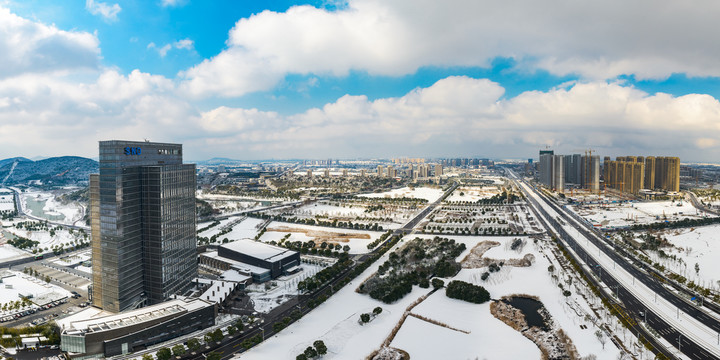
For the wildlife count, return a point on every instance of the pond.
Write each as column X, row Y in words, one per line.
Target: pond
column 530, row 308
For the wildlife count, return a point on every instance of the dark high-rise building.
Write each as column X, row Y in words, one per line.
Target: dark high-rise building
column 143, row 224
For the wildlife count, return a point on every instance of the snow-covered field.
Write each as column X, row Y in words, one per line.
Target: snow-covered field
column 473, row 193
column 45, row 205
column 699, row 245
column 336, row 321
column 427, row 193
column 61, row 237
column 7, row 200
column 319, row 234
column 489, row 338
column 8, row 252
column 245, row 229
column 630, row 213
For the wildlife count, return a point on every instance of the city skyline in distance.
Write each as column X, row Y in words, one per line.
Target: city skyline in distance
column 262, row 82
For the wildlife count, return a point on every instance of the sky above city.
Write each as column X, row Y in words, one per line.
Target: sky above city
column 363, row 78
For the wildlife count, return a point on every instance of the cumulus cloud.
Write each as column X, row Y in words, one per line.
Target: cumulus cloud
column 27, row 46
column 107, row 11
column 456, row 116
column 461, row 115
column 650, row 39
column 185, row 44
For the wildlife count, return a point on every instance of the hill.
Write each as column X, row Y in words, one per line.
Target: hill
column 63, row 170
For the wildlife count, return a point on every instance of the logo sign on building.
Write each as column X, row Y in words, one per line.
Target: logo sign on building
column 132, row 150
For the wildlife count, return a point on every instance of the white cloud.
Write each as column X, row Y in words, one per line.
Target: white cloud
column 460, row 115
column 184, row 44
column 650, row 39
column 456, row 116
column 172, row 3
column 27, row 46
column 107, row 11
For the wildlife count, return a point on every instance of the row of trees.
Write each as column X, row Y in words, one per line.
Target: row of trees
column 325, row 275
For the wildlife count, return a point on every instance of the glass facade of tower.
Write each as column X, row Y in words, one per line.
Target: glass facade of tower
column 144, row 246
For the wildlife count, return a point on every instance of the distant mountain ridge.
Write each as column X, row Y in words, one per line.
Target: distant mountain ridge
column 62, row 170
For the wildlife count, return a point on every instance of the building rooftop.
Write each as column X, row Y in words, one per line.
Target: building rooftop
column 258, row 250
column 95, row 320
column 237, row 265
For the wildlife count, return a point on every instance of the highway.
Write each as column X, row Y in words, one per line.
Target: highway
column 632, row 305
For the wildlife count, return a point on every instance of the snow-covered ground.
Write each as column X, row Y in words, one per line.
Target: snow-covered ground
column 7, row 200
column 245, row 229
column 427, row 193
column 8, row 252
column 336, row 321
column 699, row 245
column 283, row 288
column 61, row 237
column 630, row 213
column 358, row 245
column 44, row 204
column 488, row 338
column 473, row 193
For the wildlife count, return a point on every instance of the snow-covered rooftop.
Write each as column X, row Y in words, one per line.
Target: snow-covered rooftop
column 258, row 250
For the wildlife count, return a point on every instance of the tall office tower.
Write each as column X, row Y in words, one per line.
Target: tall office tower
column 558, row 173
column 649, row 182
column 143, row 224
column 438, row 169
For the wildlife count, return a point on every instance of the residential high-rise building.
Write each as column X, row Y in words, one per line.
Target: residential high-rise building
column 667, row 173
column 590, row 173
column 142, row 206
column 649, row 182
column 380, row 171
column 438, row 169
column 558, row 173
column 545, row 167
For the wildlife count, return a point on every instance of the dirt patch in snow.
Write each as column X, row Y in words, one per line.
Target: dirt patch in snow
column 320, row 235
column 475, row 259
column 553, row 344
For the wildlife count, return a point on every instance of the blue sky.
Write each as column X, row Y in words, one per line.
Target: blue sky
column 262, row 79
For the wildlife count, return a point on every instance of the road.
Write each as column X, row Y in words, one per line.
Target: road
column 233, row 345
column 631, row 305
